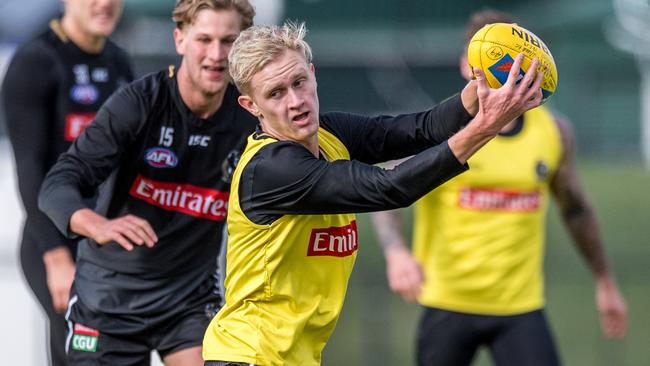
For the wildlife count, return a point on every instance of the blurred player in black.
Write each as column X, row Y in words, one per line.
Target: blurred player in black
column 53, row 87
column 162, row 149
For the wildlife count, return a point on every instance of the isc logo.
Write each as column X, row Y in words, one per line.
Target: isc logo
column 159, row 157
column 199, row 140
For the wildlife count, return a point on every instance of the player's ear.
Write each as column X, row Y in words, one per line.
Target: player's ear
column 179, row 37
column 312, row 68
column 465, row 69
column 248, row 104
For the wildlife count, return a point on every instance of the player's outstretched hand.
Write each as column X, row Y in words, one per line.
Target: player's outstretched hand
column 404, row 273
column 499, row 107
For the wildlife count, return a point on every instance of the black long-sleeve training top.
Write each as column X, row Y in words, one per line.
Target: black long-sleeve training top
column 157, row 160
column 52, row 90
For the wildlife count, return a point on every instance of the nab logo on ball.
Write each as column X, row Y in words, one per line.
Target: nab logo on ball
column 501, row 69
column 159, row 157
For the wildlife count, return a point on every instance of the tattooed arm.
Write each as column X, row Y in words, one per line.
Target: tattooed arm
column 580, row 220
column 404, row 273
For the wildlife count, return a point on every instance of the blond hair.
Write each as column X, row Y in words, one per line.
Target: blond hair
column 260, row 45
column 185, row 11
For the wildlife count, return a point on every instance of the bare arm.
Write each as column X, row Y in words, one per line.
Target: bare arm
column 404, row 274
column 580, row 220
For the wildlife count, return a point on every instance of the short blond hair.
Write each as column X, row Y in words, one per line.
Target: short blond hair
column 185, row 11
column 260, row 45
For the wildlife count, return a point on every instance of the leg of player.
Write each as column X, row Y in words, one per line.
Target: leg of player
column 185, row 357
column 446, row 338
column 527, row 340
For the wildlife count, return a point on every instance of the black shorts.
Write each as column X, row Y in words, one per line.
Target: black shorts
column 165, row 332
column 452, row 338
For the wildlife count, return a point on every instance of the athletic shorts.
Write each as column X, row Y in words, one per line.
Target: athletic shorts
column 452, row 338
column 165, row 332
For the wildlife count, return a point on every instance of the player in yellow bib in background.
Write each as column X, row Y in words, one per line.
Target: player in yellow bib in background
column 292, row 230
column 478, row 244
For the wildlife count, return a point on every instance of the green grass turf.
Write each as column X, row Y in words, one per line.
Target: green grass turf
column 377, row 328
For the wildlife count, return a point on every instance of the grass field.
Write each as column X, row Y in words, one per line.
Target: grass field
column 377, row 328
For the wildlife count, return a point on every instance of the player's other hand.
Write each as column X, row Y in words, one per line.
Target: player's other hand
column 128, row 231
column 612, row 309
column 59, row 269
column 404, row 274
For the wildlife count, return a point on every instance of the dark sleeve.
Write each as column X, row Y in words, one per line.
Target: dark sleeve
column 285, row 178
column 378, row 139
column 29, row 93
column 92, row 157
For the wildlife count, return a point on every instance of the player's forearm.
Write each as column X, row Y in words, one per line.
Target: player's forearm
column 584, row 229
column 85, row 222
column 383, row 138
column 469, row 140
column 57, row 255
column 388, row 229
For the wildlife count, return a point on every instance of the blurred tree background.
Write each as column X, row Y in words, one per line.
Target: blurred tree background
column 389, row 56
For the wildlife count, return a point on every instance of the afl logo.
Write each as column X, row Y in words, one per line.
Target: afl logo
column 84, row 94
column 159, row 157
column 494, row 53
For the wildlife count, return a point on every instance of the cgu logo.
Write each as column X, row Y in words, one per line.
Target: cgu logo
column 84, row 339
column 84, row 343
column 334, row 241
column 159, row 157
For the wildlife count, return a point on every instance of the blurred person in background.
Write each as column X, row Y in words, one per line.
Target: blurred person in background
column 292, row 229
column 478, row 244
column 53, row 87
column 161, row 151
